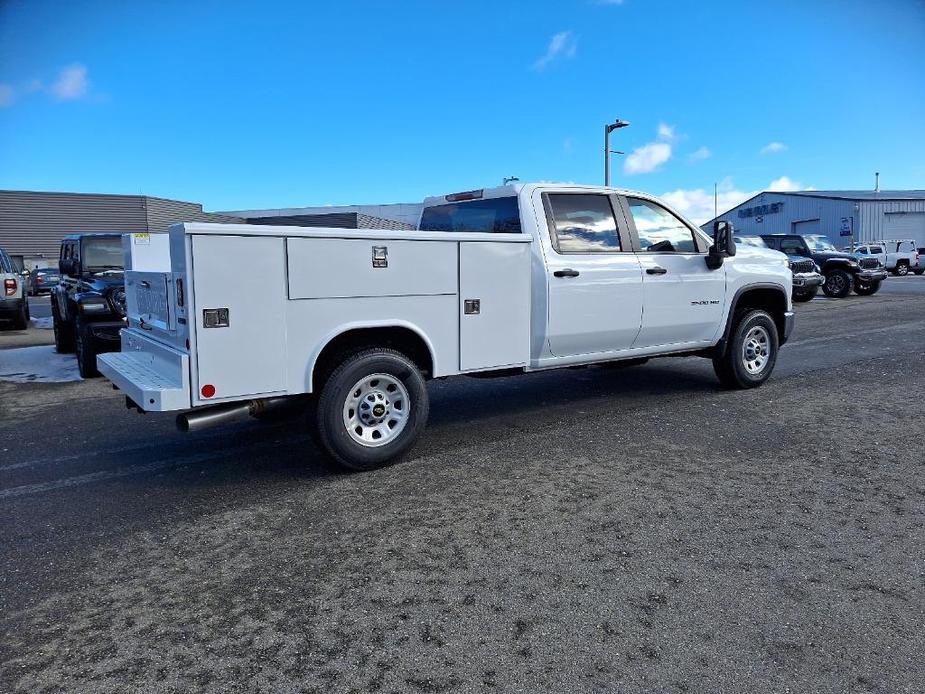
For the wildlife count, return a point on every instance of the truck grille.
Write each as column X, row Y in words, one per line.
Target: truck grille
column 802, row 266
column 869, row 263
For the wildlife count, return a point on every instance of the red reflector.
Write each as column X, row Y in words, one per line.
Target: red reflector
column 208, row 390
column 9, row 287
column 465, row 195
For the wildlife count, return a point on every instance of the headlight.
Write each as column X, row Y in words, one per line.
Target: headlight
column 94, row 307
column 816, row 268
column 789, row 263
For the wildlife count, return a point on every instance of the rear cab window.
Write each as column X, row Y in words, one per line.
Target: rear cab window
column 492, row 215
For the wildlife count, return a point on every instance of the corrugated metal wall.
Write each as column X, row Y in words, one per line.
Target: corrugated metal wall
column 32, row 224
column 873, row 215
column 162, row 213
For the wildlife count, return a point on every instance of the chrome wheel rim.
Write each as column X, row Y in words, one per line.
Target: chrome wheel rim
column 756, row 349
column 376, row 410
column 902, row 270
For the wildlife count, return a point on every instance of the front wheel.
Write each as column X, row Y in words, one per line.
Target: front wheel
column 372, row 409
column 64, row 334
column 85, row 349
column 867, row 288
column 751, row 352
column 806, row 294
column 837, row 284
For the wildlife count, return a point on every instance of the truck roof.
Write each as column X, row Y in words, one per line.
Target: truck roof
column 517, row 188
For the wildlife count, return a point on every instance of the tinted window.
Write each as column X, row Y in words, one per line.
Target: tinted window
column 493, row 215
column 791, row 247
column 101, row 252
column 876, row 249
column 583, row 223
column 659, row 230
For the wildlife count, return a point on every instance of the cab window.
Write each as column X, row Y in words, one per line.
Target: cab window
column 660, row 231
column 792, row 247
column 582, row 223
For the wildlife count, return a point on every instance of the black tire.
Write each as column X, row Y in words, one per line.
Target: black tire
column 838, row 284
column 917, row 272
column 64, row 333
column 85, row 349
column 902, row 268
column 21, row 319
column 333, row 404
column 806, row 294
column 731, row 368
column 867, row 288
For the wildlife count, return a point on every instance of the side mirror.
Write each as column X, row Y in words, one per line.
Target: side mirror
column 724, row 244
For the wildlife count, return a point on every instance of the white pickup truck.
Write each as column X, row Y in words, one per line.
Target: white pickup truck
column 505, row 280
column 899, row 256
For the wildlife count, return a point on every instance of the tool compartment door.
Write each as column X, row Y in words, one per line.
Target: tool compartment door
column 495, row 332
column 239, row 287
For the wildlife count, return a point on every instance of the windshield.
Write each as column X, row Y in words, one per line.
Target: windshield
column 750, row 241
column 820, row 243
column 493, row 215
column 103, row 253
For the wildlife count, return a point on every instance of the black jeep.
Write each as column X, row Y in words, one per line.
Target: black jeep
column 842, row 271
column 88, row 305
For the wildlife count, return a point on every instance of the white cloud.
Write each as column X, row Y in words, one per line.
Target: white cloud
column 666, row 132
column 647, row 158
column 784, row 184
column 71, row 83
column 698, row 203
column 562, row 45
column 6, row 95
column 700, row 154
column 773, row 148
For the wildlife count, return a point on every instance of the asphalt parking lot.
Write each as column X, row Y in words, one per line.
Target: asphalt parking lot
column 575, row 531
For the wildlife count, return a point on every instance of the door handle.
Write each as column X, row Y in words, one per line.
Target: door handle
column 567, row 272
column 656, row 270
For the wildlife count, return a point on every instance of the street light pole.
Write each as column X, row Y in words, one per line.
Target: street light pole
column 609, row 128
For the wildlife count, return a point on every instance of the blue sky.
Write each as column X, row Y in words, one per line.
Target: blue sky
column 248, row 105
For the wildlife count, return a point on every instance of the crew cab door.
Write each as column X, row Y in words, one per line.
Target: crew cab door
column 594, row 281
column 683, row 300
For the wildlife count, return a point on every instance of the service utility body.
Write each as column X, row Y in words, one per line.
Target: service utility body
column 350, row 323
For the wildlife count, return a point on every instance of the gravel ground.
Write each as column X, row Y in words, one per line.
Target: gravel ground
column 579, row 531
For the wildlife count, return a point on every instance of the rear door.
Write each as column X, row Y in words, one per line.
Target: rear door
column 683, row 299
column 594, row 279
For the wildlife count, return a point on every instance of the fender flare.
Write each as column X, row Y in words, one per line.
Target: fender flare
column 721, row 346
column 364, row 325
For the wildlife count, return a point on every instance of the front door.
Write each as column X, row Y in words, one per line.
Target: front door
column 594, row 279
column 684, row 299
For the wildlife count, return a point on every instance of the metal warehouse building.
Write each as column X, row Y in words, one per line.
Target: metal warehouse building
column 845, row 216
column 32, row 224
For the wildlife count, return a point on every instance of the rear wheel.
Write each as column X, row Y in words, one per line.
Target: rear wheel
column 806, row 294
column 837, row 284
column 372, row 409
column 85, row 349
column 21, row 319
column 902, row 268
column 917, row 272
column 64, row 333
column 867, row 288
column 751, row 352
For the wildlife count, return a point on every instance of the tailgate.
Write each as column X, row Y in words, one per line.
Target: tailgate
column 155, row 376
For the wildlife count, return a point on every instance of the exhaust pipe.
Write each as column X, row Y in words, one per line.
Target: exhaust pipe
column 208, row 416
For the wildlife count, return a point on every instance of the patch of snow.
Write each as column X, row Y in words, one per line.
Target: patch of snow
column 43, row 323
column 39, row 364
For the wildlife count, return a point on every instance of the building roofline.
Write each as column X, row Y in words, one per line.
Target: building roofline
column 108, row 195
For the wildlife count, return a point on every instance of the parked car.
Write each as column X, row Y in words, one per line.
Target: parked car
column 43, row 280
column 500, row 281
column 842, row 271
column 898, row 256
column 14, row 303
column 920, row 266
column 88, row 304
column 806, row 276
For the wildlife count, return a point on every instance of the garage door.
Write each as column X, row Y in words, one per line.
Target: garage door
column 905, row 225
column 808, row 226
